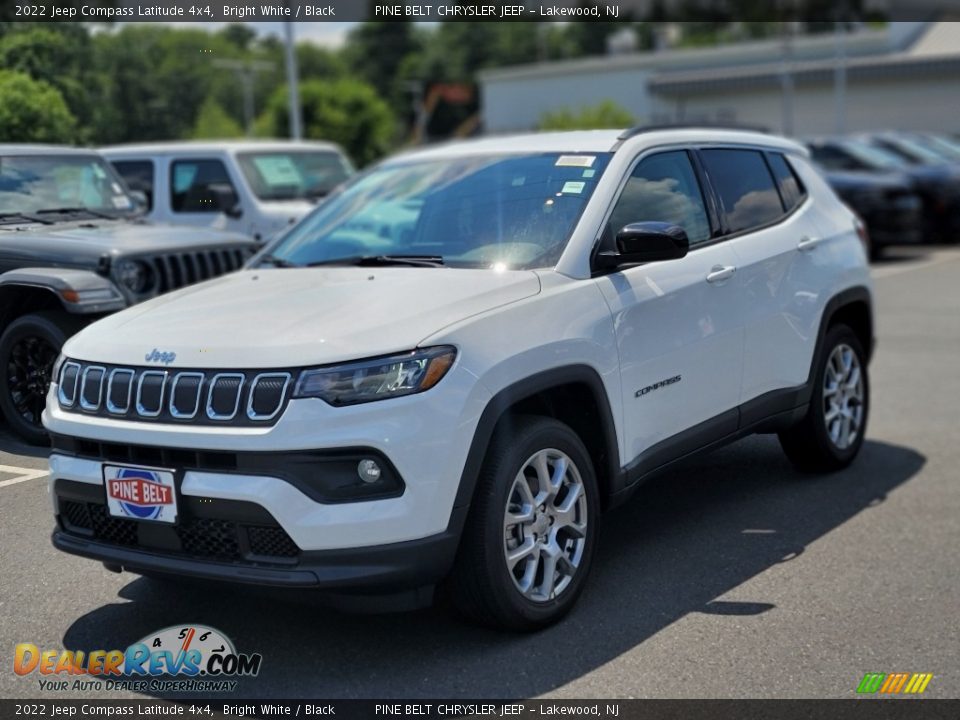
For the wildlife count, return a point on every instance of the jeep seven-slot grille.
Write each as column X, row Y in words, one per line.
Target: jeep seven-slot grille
column 208, row 397
column 177, row 270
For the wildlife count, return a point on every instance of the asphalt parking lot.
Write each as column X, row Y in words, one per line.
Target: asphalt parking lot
column 733, row 576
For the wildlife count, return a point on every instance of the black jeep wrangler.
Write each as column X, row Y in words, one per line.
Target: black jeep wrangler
column 73, row 248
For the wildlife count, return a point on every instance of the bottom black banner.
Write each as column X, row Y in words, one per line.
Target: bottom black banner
column 861, row 709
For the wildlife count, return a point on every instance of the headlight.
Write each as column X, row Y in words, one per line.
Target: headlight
column 377, row 379
column 133, row 275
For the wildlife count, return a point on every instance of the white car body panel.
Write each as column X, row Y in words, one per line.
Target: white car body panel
column 729, row 342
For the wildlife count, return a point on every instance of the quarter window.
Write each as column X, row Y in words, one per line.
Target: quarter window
column 791, row 190
column 745, row 187
column 663, row 188
column 199, row 185
column 138, row 174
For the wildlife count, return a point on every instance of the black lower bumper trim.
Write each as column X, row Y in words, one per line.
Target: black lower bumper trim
column 397, row 566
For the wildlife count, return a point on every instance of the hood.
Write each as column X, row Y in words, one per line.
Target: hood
column 86, row 242
column 277, row 318
column 853, row 180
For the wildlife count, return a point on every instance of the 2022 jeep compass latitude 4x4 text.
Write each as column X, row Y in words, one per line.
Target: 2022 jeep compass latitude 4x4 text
column 446, row 372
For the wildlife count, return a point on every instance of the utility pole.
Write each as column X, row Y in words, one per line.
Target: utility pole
column 840, row 78
column 246, row 71
column 786, row 80
column 296, row 127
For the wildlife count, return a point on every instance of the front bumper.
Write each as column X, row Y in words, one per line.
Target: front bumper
column 241, row 542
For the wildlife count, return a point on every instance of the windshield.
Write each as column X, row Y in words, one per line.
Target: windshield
column 942, row 145
column 480, row 211
column 293, row 174
column 913, row 150
column 874, row 156
column 34, row 183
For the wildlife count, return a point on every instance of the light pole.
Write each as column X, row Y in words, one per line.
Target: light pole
column 246, row 71
column 296, row 128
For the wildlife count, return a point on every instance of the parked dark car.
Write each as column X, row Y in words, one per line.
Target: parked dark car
column 887, row 204
column 72, row 249
column 938, row 185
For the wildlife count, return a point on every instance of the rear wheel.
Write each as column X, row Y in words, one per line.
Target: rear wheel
column 28, row 349
column 831, row 434
column 530, row 537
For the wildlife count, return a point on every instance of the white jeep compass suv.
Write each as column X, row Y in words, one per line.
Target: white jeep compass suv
column 445, row 374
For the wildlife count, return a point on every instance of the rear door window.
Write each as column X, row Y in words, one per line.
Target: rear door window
column 743, row 182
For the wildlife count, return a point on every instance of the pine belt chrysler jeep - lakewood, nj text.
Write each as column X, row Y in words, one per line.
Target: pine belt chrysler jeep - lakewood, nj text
column 443, row 375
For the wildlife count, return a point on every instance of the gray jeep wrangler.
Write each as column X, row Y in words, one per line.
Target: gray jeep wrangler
column 73, row 248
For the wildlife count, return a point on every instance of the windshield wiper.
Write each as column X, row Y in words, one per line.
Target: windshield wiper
column 383, row 260
column 76, row 211
column 278, row 262
column 13, row 218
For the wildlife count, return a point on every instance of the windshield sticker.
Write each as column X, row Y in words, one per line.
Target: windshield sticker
column 121, row 202
column 583, row 161
column 518, row 181
column 278, row 170
column 574, row 188
column 116, row 188
column 99, row 172
column 589, row 173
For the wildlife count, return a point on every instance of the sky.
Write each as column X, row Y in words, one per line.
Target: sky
column 327, row 34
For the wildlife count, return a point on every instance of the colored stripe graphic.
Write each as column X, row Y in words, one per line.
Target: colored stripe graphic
column 918, row 683
column 871, row 682
column 894, row 682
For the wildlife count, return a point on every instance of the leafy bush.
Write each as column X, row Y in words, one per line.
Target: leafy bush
column 604, row 115
column 33, row 111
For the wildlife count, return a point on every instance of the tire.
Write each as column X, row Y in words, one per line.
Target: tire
column 28, row 348
column 563, row 528
column 815, row 444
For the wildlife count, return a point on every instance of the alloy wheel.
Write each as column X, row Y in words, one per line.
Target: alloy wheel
column 545, row 525
column 28, row 376
column 843, row 396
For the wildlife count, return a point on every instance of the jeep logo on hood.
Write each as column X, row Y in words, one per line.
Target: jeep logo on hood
column 160, row 356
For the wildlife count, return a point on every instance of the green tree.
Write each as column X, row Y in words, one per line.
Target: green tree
column 604, row 115
column 214, row 123
column 33, row 111
column 59, row 54
column 345, row 111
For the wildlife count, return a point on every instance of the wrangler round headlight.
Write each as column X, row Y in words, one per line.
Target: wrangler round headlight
column 133, row 275
column 377, row 379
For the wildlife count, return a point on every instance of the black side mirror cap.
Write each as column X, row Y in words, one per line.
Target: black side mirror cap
column 226, row 200
column 645, row 242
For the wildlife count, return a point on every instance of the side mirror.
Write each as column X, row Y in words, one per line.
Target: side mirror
column 140, row 200
column 645, row 242
column 226, row 200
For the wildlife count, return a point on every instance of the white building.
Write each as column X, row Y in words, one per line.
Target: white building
column 906, row 76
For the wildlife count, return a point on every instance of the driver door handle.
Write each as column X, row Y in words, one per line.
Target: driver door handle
column 808, row 243
column 719, row 273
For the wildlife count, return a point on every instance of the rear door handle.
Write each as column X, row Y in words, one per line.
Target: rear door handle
column 719, row 273
column 808, row 243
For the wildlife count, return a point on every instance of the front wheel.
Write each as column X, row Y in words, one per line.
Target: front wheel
column 831, row 434
column 28, row 349
column 532, row 530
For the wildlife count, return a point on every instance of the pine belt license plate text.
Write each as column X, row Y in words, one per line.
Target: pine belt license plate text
column 140, row 493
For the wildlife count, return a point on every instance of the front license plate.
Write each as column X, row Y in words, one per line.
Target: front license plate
column 140, row 493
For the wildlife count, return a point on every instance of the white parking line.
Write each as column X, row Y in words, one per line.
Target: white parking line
column 23, row 474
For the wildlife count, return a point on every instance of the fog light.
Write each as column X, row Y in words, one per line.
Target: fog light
column 368, row 470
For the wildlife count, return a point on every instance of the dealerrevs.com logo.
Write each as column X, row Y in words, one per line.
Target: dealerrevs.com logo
column 180, row 658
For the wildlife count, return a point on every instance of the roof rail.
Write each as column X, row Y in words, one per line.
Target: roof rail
column 639, row 129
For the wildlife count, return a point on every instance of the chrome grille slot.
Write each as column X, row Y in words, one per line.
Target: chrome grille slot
column 185, row 395
column 91, row 387
column 223, row 398
column 119, row 390
column 69, row 378
column 266, row 396
column 150, row 393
